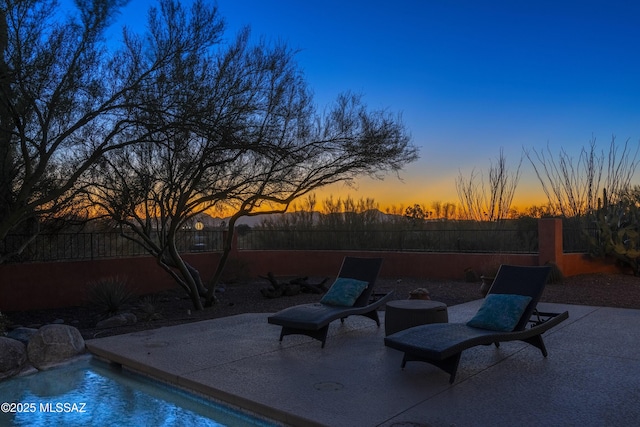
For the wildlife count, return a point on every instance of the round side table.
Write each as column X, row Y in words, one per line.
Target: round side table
column 404, row 314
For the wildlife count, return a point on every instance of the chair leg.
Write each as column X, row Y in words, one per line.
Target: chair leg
column 373, row 314
column 449, row 365
column 320, row 334
column 537, row 342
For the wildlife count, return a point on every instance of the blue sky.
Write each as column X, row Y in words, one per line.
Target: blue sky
column 469, row 77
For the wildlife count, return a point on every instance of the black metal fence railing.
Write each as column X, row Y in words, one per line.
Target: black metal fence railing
column 96, row 245
column 578, row 239
column 440, row 240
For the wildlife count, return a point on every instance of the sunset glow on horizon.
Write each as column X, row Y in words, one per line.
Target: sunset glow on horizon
column 395, row 194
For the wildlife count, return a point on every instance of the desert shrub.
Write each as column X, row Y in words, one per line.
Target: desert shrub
column 617, row 231
column 149, row 309
column 109, row 295
column 556, row 275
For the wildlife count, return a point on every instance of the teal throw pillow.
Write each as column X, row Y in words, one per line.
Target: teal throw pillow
column 500, row 312
column 344, row 292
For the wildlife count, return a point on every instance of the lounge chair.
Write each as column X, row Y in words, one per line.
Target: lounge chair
column 313, row 319
column 442, row 344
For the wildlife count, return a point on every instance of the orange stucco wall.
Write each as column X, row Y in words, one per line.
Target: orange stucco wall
column 58, row 284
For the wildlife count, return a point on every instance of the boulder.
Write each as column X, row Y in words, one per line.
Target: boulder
column 118, row 320
column 22, row 334
column 53, row 344
column 13, row 357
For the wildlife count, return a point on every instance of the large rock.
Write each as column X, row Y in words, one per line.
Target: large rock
column 22, row 334
column 13, row 357
column 53, row 344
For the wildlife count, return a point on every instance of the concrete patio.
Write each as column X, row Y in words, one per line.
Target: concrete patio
column 590, row 377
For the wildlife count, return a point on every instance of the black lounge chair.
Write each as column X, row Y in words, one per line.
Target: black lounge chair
column 313, row 319
column 442, row 344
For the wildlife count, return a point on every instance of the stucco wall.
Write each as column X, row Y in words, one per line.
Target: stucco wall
column 50, row 285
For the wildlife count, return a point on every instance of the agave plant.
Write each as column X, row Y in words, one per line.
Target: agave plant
column 109, row 295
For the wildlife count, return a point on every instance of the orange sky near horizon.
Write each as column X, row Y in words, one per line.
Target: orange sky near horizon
column 414, row 188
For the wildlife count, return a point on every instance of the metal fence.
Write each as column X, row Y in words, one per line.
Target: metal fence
column 96, row 245
column 442, row 239
column 439, row 240
column 578, row 239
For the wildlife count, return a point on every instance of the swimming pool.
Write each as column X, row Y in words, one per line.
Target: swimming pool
column 92, row 393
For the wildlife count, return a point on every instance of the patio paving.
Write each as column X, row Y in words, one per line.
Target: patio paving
column 590, row 377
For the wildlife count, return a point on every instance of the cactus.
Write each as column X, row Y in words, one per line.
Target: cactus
column 617, row 230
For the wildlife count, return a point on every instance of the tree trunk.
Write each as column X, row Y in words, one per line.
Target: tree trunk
column 210, row 299
column 190, row 275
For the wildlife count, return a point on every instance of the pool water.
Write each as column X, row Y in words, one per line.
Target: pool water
column 92, row 393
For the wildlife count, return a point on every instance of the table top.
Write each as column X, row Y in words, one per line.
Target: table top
column 415, row 304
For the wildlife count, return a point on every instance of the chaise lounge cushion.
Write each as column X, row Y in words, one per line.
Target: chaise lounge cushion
column 500, row 312
column 344, row 292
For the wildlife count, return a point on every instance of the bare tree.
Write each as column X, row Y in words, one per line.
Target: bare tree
column 67, row 100
column 233, row 129
column 348, row 213
column 448, row 210
column 199, row 124
column 573, row 187
column 303, row 216
column 490, row 200
column 443, row 210
column 347, row 142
